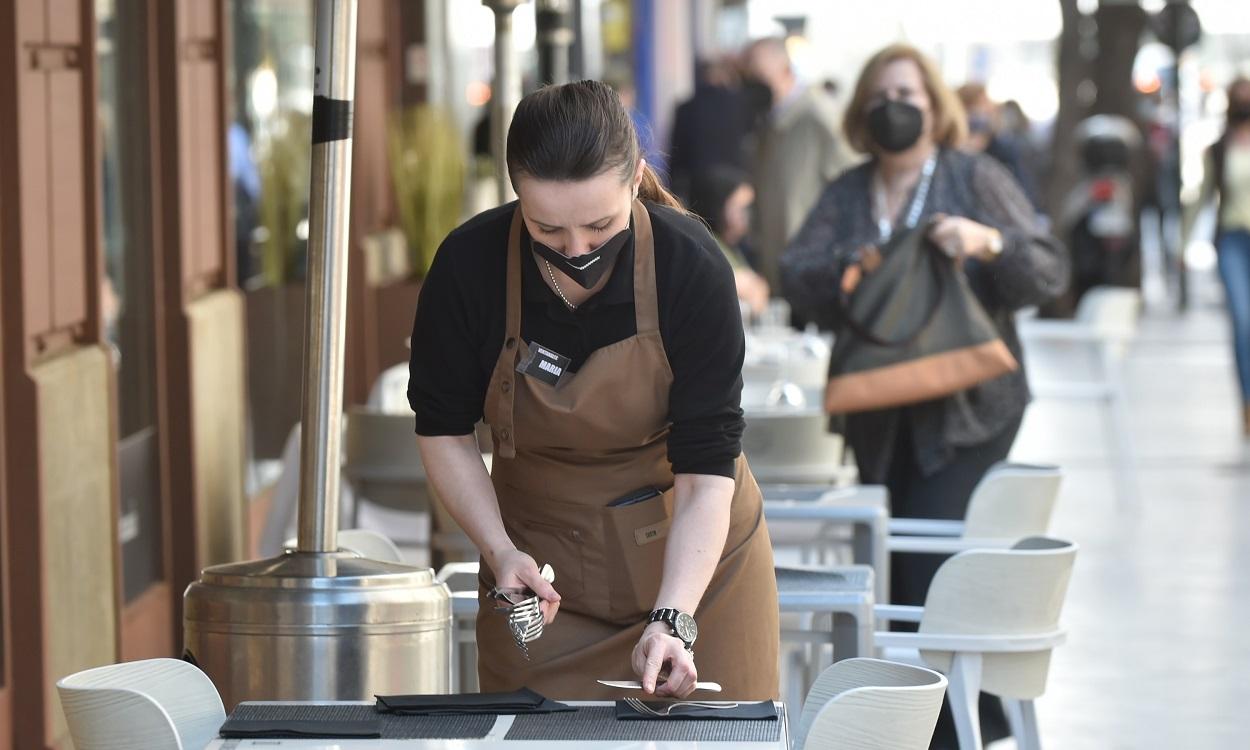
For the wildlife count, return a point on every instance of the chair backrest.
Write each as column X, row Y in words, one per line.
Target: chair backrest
column 367, row 543
column 390, row 391
column 869, row 703
column 381, row 459
column 380, row 440
column 157, row 704
column 1012, row 501
column 1002, row 592
column 370, row 544
column 792, row 445
column 1110, row 310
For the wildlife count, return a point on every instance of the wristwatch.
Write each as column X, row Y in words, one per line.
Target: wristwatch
column 682, row 624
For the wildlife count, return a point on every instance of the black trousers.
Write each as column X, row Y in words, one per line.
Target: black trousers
column 943, row 495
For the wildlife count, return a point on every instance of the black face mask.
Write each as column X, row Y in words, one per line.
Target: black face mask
column 895, row 126
column 586, row 269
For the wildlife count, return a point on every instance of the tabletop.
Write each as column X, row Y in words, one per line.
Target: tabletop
column 593, row 726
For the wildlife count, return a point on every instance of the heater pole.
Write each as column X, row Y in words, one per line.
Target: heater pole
column 328, row 213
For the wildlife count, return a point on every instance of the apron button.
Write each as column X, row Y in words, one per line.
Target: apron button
column 505, row 386
column 510, row 343
column 505, row 434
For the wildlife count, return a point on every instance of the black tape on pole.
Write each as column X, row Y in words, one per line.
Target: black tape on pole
column 331, row 119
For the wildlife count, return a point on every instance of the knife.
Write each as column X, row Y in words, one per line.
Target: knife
column 713, row 687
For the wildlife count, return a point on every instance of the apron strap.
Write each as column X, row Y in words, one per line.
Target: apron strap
column 503, row 392
column 646, row 306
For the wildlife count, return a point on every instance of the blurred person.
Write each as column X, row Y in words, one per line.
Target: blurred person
column 722, row 196
column 987, row 135
column 709, row 128
column 930, row 455
column 1226, row 182
column 797, row 152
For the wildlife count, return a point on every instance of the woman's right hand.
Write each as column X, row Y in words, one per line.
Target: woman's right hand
column 516, row 570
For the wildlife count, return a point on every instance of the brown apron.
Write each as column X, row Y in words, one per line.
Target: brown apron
column 562, row 454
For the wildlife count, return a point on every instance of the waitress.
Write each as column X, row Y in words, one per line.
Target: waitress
column 595, row 326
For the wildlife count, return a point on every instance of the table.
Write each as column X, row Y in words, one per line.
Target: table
column 798, row 516
column 593, row 714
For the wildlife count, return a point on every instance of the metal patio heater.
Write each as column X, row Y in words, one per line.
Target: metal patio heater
column 318, row 623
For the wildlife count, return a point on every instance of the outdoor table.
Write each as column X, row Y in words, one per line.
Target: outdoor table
column 592, row 726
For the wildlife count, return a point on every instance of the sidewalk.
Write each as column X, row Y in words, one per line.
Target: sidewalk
column 1159, row 603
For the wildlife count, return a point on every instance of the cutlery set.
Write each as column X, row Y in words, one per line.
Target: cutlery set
column 525, row 617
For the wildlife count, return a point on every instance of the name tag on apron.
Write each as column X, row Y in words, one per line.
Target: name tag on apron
column 544, row 364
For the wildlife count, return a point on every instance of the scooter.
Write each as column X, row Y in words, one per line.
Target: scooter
column 1099, row 219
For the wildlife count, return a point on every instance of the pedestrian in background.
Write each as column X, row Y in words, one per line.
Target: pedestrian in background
column 1227, row 182
column 798, row 150
column 929, row 455
column 709, row 128
column 987, row 135
column 722, row 196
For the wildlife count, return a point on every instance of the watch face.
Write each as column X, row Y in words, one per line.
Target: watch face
column 686, row 628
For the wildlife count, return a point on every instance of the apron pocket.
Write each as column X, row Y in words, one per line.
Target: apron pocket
column 561, row 547
column 636, row 536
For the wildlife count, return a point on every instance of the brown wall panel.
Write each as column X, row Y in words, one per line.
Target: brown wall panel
column 203, row 431
column 6, row 673
column 64, row 21
column 372, row 195
column 63, row 606
column 35, row 192
column 67, row 217
column 184, row 102
column 209, row 154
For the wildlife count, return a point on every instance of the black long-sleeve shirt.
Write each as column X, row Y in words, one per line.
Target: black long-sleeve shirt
column 1033, row 268
column 459, row 330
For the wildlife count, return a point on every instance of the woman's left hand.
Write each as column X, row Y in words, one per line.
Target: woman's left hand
column 961, row 238
column 658, row 647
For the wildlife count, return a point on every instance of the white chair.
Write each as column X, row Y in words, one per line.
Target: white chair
column 383, row 466
column 870, row 704
column 390, row 391
column 1104, row 324
column 1012, row 501
column 990, row 622
column 158, row 704
column 807, row 599
column 366, row 543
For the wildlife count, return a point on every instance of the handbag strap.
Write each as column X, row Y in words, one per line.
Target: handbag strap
column 885, row 227
column 861, row 330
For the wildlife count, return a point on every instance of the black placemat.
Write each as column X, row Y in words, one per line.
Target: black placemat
column 464, row 727
column 599, row 723
column 523, row 701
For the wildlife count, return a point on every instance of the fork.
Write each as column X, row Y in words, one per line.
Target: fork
column 641, row 707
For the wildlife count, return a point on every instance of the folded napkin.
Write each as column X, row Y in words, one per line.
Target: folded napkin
column 293, row 729
column 763, row 710
column 523, row 701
